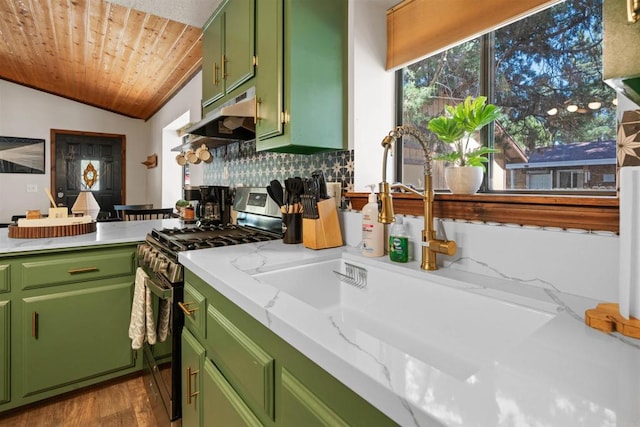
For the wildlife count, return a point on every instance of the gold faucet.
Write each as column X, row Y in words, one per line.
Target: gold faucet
column 430, row 244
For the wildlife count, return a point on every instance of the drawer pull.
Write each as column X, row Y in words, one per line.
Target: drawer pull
column 34, row 324
column 191, row 394
column 82, row 270
column 184, row 306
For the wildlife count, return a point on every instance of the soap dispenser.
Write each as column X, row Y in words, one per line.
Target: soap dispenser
column 372, row 230
column 398, row 242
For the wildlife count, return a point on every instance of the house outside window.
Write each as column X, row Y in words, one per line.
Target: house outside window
column 558, row 127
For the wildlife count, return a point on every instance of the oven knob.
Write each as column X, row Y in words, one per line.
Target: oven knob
column 162, row 266
column 149, row 256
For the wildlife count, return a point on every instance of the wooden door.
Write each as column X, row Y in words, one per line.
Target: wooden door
column 84, row 161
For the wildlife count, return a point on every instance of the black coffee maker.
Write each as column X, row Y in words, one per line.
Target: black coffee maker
column 215, row 205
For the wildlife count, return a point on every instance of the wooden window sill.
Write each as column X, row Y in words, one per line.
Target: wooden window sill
column 589, row 213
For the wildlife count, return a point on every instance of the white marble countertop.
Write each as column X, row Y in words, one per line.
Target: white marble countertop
column 106, row 233
column 563, row 374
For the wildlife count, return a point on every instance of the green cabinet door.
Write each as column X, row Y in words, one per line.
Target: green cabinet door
column 212, row 51
column 300, row 407
column 75, row 335
column 269, row 91
column 228, row 50
column 314, row 35
column 239, row 43
column 5, row 336
column 192, row 397
column 224, row 406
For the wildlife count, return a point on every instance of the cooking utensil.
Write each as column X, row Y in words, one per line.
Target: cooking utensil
column 321, row 184
column 276, row 198
column 278, row 192
column 309, row 206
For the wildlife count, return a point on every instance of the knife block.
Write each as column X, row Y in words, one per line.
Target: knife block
column 323, row 232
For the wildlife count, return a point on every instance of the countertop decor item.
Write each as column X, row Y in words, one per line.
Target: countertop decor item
column 86, row 204
column 457, row 128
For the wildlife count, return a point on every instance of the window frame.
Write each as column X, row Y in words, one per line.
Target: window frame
column 588, row 210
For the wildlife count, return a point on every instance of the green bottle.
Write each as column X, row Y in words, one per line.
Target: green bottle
column 398, row 242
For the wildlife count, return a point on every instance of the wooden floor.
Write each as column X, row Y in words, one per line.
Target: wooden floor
column 118, row 403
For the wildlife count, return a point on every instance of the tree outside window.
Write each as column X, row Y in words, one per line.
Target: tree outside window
column 558, row 127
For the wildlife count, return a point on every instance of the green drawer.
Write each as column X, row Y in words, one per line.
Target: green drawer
column 49, row 270
column 5, row 270
column 247, row 367
column 194, row 305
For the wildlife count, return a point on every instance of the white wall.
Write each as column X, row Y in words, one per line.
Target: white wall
column 187, row 100
column 31, row 113
column 371, row 89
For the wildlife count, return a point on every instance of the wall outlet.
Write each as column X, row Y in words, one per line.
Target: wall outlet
column 32, row 188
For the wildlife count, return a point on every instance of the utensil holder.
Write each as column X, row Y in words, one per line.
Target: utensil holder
column 323, row 232
column 292, row 228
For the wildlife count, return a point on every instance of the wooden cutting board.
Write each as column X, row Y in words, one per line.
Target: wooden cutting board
column 51, row 231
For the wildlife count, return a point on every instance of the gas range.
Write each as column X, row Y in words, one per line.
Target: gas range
column 258, row 220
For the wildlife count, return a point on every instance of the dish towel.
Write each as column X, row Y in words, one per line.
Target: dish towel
column 164, row 314
column 142, row 325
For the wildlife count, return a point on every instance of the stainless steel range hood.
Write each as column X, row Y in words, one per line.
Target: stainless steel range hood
column 233, row 120
column 621, row 50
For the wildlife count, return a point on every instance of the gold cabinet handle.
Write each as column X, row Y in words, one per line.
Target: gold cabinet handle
column 184, row 306
column 215, row 74
column 224, row 67
column 34, row 324
column 256, row 115
column 191, row 394
column 82, row 270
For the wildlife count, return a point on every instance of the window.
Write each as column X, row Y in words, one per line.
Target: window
column 558, row 127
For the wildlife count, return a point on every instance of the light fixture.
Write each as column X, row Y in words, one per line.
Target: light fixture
column 572, row 108
column 86, row 204
column 552, row 112
column 615, row 101
column 595, row 105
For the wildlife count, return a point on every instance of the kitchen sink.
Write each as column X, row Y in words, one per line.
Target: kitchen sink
column 452, row 329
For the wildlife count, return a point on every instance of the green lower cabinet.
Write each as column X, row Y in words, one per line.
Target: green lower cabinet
column 5, row 337
column 251, row 376
column 300, row 407
column 192, row 397
column 223, row 406
column 75, row 335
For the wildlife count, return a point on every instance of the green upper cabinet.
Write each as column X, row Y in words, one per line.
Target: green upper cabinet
column 228, row 49
column 303, row 84
column 269, row 46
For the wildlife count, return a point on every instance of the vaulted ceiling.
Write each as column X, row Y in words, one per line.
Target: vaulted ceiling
column 104, row 54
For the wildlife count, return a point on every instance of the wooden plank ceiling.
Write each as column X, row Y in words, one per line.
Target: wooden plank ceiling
column 98, row 53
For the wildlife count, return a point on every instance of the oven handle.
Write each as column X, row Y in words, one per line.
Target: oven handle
column 158, row 291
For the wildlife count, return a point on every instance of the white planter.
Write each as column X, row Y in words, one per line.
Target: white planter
column 463, row 179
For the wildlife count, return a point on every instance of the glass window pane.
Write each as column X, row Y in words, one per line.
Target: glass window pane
column 429, row 85
column 90, row 175
column 559, row 113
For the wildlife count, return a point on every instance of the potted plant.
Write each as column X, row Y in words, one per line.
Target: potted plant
column 181, row 205
column 457, row 127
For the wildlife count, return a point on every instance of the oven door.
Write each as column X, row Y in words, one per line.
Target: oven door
column 161, row 361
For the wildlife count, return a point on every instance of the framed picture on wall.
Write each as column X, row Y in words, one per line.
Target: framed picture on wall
column 21, row 155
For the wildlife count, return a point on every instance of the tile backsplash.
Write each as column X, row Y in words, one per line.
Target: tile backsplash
column 240, row 164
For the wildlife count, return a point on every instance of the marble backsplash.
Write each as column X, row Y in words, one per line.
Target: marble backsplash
column 240, row 164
